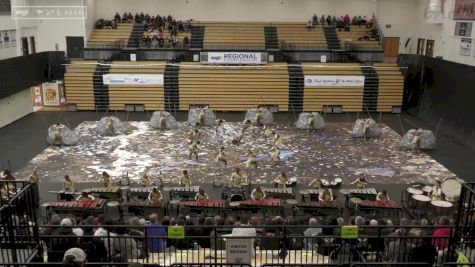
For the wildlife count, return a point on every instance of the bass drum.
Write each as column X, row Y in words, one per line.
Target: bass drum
column 451, row 188
column 235, row 198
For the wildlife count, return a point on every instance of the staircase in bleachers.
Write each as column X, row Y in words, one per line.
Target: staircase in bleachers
column 101, row 91
column 171, row 88
column 332, row 38
column 272, row 40
column 296, row 85
column 197, row 36
column 135, row 36
column 371, row 85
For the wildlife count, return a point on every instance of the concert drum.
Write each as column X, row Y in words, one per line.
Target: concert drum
column 441, row 208
column 426, row 190
column 420, row 202
column 411, row 191
column 451, row 188
column 235, row 198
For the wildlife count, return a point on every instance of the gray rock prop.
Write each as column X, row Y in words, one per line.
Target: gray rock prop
column 118, row 127
column 194, row 116
column 318, row 122
column 66, row 136
column 427, row 141
column 374, row 130
column 267, row 117
column 170, row 122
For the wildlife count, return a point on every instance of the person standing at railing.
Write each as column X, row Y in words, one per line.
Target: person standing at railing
column 74, row 257
column 155, row 233
column 311, row 234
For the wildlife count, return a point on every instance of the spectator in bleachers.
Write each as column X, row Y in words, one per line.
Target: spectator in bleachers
column 137, row 18
column 314, row 20
column 360, row 21
column 425, row 252
column 441, row 235
column 311, row 234
column 117, row 17
column 334, row 21
column 74, row 257
column 130, row 18
column 346, row 20
column 141, row 17
column 354, row 21
column 329, row 20
column 322, row 20
column 155, row 233
column 186, row 42
column 124, row 17
column 309, row 25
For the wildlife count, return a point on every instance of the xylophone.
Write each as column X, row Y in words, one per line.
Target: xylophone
column 75, row 207
column 139, row 192
column 364, row 193
column 389, row 209
column 275, row 202
column 65, row 195
column 312, row 194
column 211, row 206
column 318, row 208
column 184, row 192
column 282, row 193
column 266, row 206
column 144, row 207
column 112, row 193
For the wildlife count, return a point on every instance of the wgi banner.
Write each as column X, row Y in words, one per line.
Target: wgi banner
column 334, row 81
column 119, row 79
column 234, row 58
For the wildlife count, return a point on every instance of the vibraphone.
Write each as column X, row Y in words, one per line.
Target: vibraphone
column 282, row 193
column 112, row 193
column 388, row 209
column 77, row 208
column 139, row 192
column 364, row 193
column 144, row 207
column 210, row 207
column 266, row 206
column 318, row 208
column 187, row 193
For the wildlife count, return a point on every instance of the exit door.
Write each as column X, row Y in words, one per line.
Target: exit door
column 430, row 48
column 75, row 46
column 24, row 46
column 391, row 46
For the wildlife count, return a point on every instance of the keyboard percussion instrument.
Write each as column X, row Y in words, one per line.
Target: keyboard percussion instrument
column 210, row 206
column 144, row 207
column 317, row 208
column 364, row 193
column 76, row 207
column 282, row 193
column 139, row 192
column 112, row 193
column 179, row 192
column 65, row 195
column 387, row 209
column 272, row 206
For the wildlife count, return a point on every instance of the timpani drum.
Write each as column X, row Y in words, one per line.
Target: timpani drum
column 441, row 208
column 420, row 202
column 411, row 191
column 426, row 190
column 451, row 188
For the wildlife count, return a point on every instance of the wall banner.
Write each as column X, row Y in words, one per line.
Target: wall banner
column 50, row 94
column 234, row 58
column 132, row 79
column 465, row 46
column 334, row 81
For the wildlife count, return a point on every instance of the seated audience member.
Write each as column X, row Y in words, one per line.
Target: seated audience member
column 329, row 20
column 440, row 238
column 425, row 252
column 124, row 17
column 130, row 18
column 311, row 234
column 62, row 240
column 125, row 247
column 309, row 25
column 314, row 20
column 186, row 42
column 74, row 257
column 117, row 17
column 322, row 20
column 156, row 233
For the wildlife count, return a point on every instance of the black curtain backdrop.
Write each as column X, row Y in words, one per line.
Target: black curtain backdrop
column 20, row 73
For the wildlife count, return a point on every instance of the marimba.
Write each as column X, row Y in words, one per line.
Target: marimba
column 312, row 194
column 144, row 207
column 139, row 192
column 282, row 193
column 202, row 207
column 364, row 193
column 76, row 207
column 266, row 206
column 186, row 193
column 65, row 195
column 112, row 193
column 389, row 209
column 318, row 208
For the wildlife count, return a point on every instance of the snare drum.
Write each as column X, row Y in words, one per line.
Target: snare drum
column 420, row 202
column 441, row 208
column 412, row 191
column 451, row 188
column 336, row 182
column 355, row 200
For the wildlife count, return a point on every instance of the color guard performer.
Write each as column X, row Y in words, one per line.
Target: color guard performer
column 236, row 177
column 193, row 150
column 258, row 194
column 201, row 195
column 382, row 196
column 106, row 180
column 266, row 132
column 316, row 183
column 361, row 181
column 155, row 197
column 193, row 136
column 57, row 134
column 85, row 196
column 68, row 184
column 110, row 126
column 220, row 127
column 247, row 125
column 185, row 179
column 366, row 128
column 416, row 140
column 436, row 192
column 251, row 160
column 163, row 121
column 277, row 140
column 275, row 154
column 326, row 195
column 310, row 122
column 237, row 139
column 258, row 118
column 202, row 116
column 281, row 180
column 145, row 180
column 220, row 157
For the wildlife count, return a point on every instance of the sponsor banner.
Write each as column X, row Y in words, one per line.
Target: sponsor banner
column 50, row 94
column 234, row 58
column 238, row 251
column 119, row 79
column 336, row 81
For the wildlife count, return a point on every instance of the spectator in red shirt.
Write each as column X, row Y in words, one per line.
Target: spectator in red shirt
column 440, row 238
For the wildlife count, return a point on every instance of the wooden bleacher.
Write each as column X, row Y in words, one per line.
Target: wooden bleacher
column 110, row 37
column 351, row 38
column 391, row 86
column 244, row 35
column 315, row 98
column 296, row 34
column 79, row 84
column 151, row 96
column 233, row 88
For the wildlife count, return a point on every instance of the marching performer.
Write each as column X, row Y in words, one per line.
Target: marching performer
column 382, row 196
column 163, row 121
column 201, row 195
column 202, row 116
column 436, row 193
column 416, row 140
column 220, row 127
column 68, row 184
column 57, row 134
column 326, row 195
column 220, row 157
column 266, row 132
column 110, row 126
column 185, row 179
column 247, row 125
column 310, row 122
column 106, row 179
column 155, row 197
column 277, row 140
column 281, row 180
column 145, row 180
column 258, row 117
column 361, row 181
column 193, row 136
column 366, row 128
column 251, row 160
column 258, row 194
column 237, row 139
column 193, row 150
column 236, row 177
column 316, row 183
column 275, row 154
